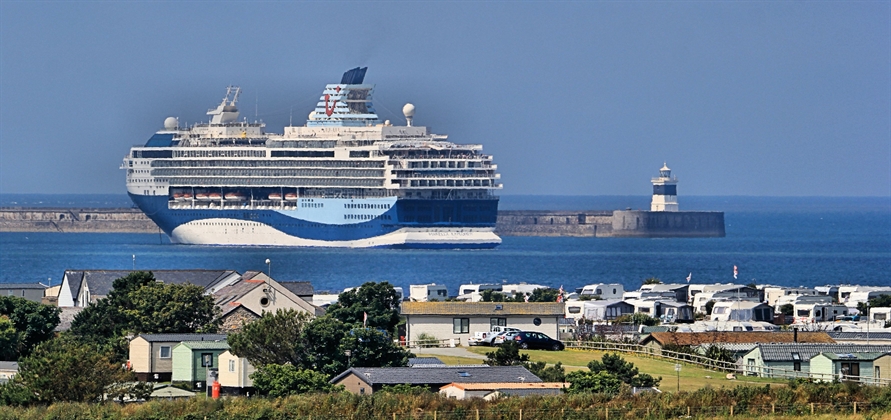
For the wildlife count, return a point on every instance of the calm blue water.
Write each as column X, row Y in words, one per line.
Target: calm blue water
column 783, row 241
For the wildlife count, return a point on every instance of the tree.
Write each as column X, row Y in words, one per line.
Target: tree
column 378, row 300
column 321, row 340
column 507, row 354
column 23, row 325
column 590, row 382
column 787, row 309
column 544, row 295
column 882, row 301
column 637, row 318
column 65, row 369
column 283, row 380
column 554, row 373
column 275, row 338
column 614, row 364
column 372, row 348
column 490, row 295
column 652, row 280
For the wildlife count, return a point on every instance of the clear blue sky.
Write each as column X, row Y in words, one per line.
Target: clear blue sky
column 577, row 98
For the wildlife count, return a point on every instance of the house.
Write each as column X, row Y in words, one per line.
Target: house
column 745, row 311
column 7, row 371
column 193, row 359
column 424, row 361
column 461, row 320
column 151, row 355
column 607, row 291
column 83, row 287
column 598, row 310
column 235, row 374
column 857, row 367
column 303, row 289
column 361, row 380
column 490, row 391
column 428, row 292
column 656, row 341
column 246, row 299
column 31, row 291
column 793, row 359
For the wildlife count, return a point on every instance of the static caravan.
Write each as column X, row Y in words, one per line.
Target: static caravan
column 742, row 311
column 428, row 292
column 882, row 315
column 598, row 310
column 604, row 290
column 807, row 313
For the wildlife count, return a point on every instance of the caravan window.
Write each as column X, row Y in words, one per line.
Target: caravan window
column 574, row 309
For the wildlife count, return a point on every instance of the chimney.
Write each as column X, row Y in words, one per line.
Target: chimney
column 795, row 335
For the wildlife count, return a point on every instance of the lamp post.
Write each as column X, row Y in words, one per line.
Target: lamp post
column 268, row 268
column 677, row 368
column 134, row 262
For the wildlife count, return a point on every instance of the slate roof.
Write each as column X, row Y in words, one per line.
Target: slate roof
column 783, row 352
column 854, row 356
column 420, row 375
column 698, row 338
column 100, row 281
column 859, row 336
column 507, row 385
column 66, row 317
column 299, row 288
column 182, row 337
column 482, row 308
column 6, row 286
column 9, row 366
column 415, row 361
column 206, row 345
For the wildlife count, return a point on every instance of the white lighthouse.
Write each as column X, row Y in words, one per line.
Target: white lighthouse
column 665, row 191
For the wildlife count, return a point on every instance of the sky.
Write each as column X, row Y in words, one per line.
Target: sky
column 572, row 98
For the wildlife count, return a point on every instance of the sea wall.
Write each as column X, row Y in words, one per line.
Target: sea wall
column 601, row 224
column 119, row 220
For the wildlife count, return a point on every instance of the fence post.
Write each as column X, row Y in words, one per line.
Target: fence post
column 731, row 411
column 606, row 409
column 812, row 409
column 773, row 408
column 855, row 407
column 434, row 415
column 477, row 414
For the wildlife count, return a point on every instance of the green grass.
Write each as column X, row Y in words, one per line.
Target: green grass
column 691, row 376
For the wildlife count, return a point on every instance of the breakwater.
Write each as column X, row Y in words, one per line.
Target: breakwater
column 602, row 224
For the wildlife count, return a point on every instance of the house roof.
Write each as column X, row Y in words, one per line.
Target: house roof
column 205, row 345
column 439, row 374
column 227, row 298
column 697, row 338
column 6, row 286
column 783, row 352
column 482, row 308
column 101, row 281
column 864, row 356
column 299, row 288
column 416, row 361
column 9, row 366
column 178, row 338
column 859, row 335
column 477, row 386
column 66, row 317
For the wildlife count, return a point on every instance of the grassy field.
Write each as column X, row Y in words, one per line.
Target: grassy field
column 691, row 376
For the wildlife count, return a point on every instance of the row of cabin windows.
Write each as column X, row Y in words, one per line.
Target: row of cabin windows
column 366, row 217
column 366, row 206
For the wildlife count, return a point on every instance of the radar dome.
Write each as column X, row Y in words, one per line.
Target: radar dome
column 408, row 110
column 171, row 123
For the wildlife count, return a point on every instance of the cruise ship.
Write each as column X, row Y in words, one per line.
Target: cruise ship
column 343, row 179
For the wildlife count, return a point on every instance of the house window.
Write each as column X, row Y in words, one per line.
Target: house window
column 461, row 325
column 231, row 366
column 501, row 322
column 796, row 366
column 877, row 375
column 165, row 352
column 206, row 359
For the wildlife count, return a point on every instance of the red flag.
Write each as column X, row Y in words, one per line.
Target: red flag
column 364, row 319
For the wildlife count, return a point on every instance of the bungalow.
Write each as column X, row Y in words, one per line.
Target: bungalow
column 30, row 291
column 793, row 359
column 461, row 320
column 193, row 359
column 235, row 374
column 489, row 391
column 598, row 310
column 857, row 367
column 151, row 355
column 362, row 380
column 83, row 287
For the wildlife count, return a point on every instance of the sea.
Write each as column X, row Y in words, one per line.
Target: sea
column 785, row 241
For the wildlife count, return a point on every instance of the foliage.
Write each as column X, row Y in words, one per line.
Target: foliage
column 507, row 354
column 425, row 339
column 637, row 318
column 544, row 295
column 882, row 301
column 405, row 389
column 591, row 382
column 372, row 348
column 275, row 338
column 23, row 325
column 378, row 300
column 554, row 373
column 721, row 354
column 787, row 309
column 65, row 369
column 652, row 280
column 624, row 371
column 282, row 380
column 321, row 341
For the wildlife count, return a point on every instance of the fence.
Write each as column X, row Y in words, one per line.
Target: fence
column 731, row 367
column 614, row 413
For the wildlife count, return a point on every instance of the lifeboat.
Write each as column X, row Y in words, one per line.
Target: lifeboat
column 178, row 197
column 291, row 197
column 235, row 196
column 214, row 196
column 275, row 196
column 202, row 196
column 187, row 196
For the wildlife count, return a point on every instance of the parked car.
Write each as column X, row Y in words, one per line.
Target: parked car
column 506, row 336
column 537, row 340
column 498, row 338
